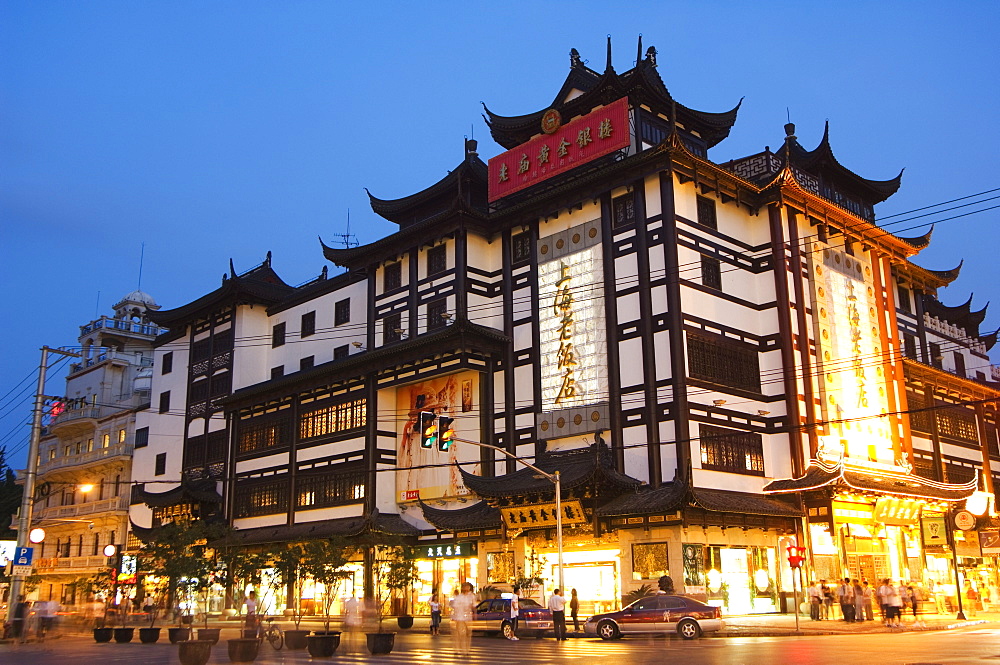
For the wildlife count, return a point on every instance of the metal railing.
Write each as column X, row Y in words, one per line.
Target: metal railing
column 81, row 509
column 108, row 323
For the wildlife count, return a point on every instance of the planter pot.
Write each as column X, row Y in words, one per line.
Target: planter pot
column 322, row 645
column 296, row 639
column 229, row 612
column 249, row 633
column 405, row 621
column 381, row 642
column 194, row 652
column 149, row 635
column 210, row 634
column 103, row 634
column 124, row 635
column 187, row 619
column 243, row 650
column 178, row 634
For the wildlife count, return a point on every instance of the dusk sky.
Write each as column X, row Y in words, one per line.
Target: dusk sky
column 218, row 130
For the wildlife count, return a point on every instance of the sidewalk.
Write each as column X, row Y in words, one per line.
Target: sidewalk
column 773, row 625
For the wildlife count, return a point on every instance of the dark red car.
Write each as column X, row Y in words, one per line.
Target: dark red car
column 687, row 617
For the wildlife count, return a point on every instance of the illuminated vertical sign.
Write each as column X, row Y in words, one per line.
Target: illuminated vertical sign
column 850, row 359
column 571, row 318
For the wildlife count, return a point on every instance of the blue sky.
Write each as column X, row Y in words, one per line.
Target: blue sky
column 218, row 130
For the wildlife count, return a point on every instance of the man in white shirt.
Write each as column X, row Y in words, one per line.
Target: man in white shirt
column 463, row 606
column 815, row 601
column 557, row 604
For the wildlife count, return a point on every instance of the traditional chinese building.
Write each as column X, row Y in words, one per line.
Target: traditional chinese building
column 710, row 353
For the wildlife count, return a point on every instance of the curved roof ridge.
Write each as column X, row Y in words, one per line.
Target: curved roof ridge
column 918, row 242
column 390, row 209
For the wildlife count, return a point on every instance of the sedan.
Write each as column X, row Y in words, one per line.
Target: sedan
column 493, row 616
column 657, row 614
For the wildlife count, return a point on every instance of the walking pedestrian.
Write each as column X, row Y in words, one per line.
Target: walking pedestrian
column 20, row 616
column 915, row 598
column 894, row 605
column 435, row 615
column 971, row 598
column 514, row 611
column 462, row 610
column 883, row 600
column 557, row 604
column 251, row 618
column 868, row 593
column 827, row 599
column 859, row 601
column 574, row 610
column 815, row 601
column 845, row 595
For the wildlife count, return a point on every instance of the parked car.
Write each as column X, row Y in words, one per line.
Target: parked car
column 493, row 616
column 687, row 617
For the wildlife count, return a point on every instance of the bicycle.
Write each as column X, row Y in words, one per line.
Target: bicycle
column 273, row 634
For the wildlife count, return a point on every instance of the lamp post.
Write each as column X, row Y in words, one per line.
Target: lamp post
column 796, row 555
column 949, row 532
column 554, row 479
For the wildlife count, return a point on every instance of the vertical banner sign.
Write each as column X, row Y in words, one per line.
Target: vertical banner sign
column 594, row 135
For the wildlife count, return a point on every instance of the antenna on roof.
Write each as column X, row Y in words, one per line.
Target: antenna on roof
column 97, row 306
column 347, row 239
column 788, row 115
column 142, row 255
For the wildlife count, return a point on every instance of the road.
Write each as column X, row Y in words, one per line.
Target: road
column 953, row 647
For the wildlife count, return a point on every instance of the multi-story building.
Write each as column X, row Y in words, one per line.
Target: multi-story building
column 711, row 354
column 85, row 453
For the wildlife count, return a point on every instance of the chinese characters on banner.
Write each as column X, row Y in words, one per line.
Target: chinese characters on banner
column 594, row 135
column 542, row 514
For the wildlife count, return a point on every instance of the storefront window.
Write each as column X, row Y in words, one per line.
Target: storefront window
column 649, row 561
column 742, row 580
column 499, row 567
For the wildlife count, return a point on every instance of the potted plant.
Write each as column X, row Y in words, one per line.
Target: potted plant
column 150, row 634
column 287, row 561
column 324, row 561
column 124, row 633
column 400, row 574
column 393, row 571
column 102, row 585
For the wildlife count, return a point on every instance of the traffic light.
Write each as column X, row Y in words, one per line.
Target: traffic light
column 428, row 430
column 446, row 433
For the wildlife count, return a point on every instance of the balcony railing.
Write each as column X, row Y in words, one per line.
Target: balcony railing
column 108, row 323
column 101, row 355
column 115, row 503
column 96, row 455
column 47, row 564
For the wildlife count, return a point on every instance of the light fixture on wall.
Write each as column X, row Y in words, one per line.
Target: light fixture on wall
column 718, row 402
column 401, row 332
column 447, row 317
column 763, row 412
column 358, row 345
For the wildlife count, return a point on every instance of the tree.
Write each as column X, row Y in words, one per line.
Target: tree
column 324, row 561
column 395, row 571
column 10, row 498
column 240, row 568
column 287, row 560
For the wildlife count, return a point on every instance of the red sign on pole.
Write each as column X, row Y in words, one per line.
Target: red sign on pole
column 594, row 135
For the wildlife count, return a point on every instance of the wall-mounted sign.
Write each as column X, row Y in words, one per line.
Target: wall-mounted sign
column 989, row 541
column 583, row 140
column 853, row 513
column 934, row 531
column 449, row 551
column 897, row 512
column 542, row 515
column 965, row 520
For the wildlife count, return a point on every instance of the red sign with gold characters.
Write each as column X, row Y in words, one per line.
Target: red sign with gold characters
column 594, row 135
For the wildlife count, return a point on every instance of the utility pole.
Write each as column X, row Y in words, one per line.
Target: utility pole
column 28, row 498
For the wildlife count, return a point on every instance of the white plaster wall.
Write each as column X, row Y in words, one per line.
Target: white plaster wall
column 335, row 512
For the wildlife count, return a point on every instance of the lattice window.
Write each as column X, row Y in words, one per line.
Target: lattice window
column 278, row 335
column 435, row 314
column 711, row 272
column 341, row 352
column 920, row 417
column 521, row 247
column 723, row 361
column 222, row 342
column 222, row 383
column 263, row 433
column 437, row 260
column 903, row 303
column 623, row 210
column 392, row 276
column 330, row 489
column 141, row 437
column 392, row 327
column 649, row 561
column 342, row 312
column 201, row 349
column 167, row 363
column 332, row 419
column 910, row 346
column 958, row 474
column 261, row 498
column 957, row 423
column 731, row 450
column 706, row 213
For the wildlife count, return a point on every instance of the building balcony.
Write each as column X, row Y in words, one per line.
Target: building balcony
column 71, row 564
column 116, row 504
column 92, row 457
column 121, row 325
column 102, row 355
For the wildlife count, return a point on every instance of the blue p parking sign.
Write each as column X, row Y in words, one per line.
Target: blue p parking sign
column 23, row 556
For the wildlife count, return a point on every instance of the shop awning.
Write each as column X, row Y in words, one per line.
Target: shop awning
column 877, row 481
column 725, row 501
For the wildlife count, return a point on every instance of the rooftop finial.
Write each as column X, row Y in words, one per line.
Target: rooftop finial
column 470, row 148
column 651, row 55
column 267, row 259
column 574, row 58
column 789, row 126
column 232, row 268
column 638, row 51
column 607, row 67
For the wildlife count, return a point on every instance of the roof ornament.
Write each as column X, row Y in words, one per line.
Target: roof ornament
column 471, row 145
column 574, row 58
column 267, row 259
column 325, row 272
column 651, row 56
column 638, row 51
column 232, row 269
column 608, row 67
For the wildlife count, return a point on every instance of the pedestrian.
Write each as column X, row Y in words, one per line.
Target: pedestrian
column 435, row 615
column 867, row 593
column 915, row 599
column 906, row 597
column 20, row 616
column 462, row 610
column 557, row 604
column 845, row 595
column 971, row 598
column 815, row 601
column 514, row 612
column 894, row 605
column 251, row 618
column 859, row 601
column 883, row 600
column 574, row 610
column 827, row 599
